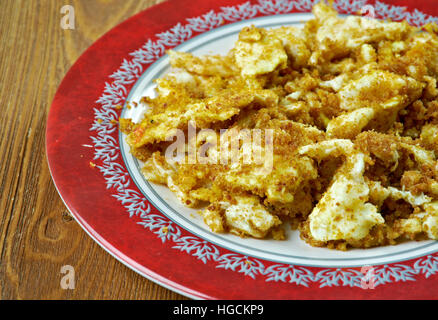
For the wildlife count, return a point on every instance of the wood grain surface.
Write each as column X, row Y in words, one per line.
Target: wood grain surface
column 37, row 235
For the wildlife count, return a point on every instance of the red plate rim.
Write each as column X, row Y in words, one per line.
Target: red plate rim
column 83, row 188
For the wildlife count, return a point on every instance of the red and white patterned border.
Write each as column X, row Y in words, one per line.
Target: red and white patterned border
column 107, row 151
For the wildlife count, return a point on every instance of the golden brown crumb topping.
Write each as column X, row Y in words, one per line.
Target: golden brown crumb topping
column 342, row 115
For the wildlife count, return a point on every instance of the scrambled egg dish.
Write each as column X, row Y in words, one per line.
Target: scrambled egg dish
column 352, row 107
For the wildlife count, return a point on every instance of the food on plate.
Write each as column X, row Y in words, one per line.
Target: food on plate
column 331, row 128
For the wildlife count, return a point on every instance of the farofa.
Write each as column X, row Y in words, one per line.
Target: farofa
column 353, row 107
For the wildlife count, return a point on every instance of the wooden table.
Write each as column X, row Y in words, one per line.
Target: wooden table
column 37, row 235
